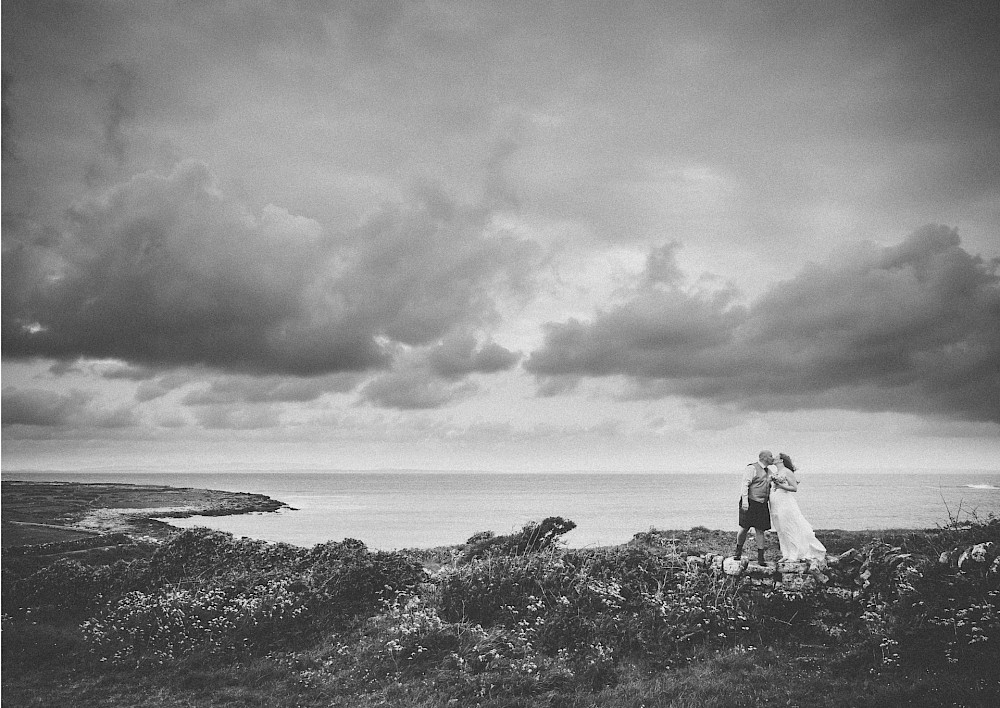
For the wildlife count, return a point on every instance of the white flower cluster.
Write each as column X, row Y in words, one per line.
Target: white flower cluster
column 163, row 625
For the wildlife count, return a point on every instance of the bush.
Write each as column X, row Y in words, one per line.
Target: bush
column 593, row 608
column 163, row 625
column 346, row 581
column 410, row 639
column 925, row 604
column 203, row 554
column 951, row 612
column 226, row 605
column 533, row 537
column 68, row 588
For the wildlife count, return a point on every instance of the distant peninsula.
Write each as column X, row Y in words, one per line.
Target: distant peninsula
column 37, row 513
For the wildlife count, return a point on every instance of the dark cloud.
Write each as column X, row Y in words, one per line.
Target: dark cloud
column 913, row 327
column 459, row 356
column 166, row 271
column 433, row 376
column 413, row 389
column 63, row 367
column 129, row 373
column 269, row 389
column 40, row 407
column 50, row 409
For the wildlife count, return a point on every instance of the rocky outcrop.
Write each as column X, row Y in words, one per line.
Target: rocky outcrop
column 788, row 575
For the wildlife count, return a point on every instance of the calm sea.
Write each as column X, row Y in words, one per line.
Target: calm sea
column 389, row 510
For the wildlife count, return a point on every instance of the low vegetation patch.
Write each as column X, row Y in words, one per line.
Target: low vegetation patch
column 517, row 620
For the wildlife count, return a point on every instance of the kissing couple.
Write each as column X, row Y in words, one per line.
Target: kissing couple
column 768, row 501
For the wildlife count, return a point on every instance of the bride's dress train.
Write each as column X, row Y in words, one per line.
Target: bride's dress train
column 795, row 535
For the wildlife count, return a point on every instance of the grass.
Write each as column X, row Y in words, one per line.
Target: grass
column 552, row 628
column 782, row 675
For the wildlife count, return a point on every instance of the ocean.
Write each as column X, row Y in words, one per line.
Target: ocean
column 389, row 510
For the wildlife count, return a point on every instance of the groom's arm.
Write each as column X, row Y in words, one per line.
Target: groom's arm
column 748, row 472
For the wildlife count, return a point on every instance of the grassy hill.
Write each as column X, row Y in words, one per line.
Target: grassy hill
column 204, row 619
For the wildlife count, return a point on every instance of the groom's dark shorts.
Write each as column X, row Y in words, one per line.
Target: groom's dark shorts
column 757, row 515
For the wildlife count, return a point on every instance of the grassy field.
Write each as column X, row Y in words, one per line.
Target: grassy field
column 203, row 619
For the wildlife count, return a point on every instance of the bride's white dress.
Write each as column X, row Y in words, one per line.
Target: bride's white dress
column 795, row 535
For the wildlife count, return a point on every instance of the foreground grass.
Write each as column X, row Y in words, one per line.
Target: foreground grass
column 558, row 629
column 787, row 674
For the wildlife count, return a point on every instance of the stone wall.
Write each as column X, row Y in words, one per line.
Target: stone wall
column 789, row 575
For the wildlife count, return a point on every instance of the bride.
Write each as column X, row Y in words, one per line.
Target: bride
column 795, row 535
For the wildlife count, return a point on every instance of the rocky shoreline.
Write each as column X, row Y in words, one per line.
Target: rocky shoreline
column 43, row 513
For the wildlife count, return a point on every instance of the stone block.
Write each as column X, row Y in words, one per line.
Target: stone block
column 975, row 556
column 797, row 582
column 817, row 564
column 733, row 566
column 793, row 567
column 756, row 570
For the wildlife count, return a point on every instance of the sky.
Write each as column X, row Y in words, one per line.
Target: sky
column 500, row 236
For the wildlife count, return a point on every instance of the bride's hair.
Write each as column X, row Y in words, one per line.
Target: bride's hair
column 786, row 461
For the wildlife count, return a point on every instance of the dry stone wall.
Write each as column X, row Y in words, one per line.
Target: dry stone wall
column 788, row 575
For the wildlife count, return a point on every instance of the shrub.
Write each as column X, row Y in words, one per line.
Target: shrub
column 591, row 609
column 533, row 537
column 411, row 639
column 923, row 603
column 203, row 554
column 952, row 613
column 69, row 588
column 347, row 581
column 163, row 625
column 226, row 604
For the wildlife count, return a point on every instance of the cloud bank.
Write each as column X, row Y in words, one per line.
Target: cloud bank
column 913, row 327
column 72, row 409
column 166, row 270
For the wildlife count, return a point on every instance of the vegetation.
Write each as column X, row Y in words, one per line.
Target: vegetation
column 905, row 618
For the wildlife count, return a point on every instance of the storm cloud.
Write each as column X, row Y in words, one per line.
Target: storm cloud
column 434, row 376
column 71, row 409
column 166, row 271
column 345, row 223
column 913, row 327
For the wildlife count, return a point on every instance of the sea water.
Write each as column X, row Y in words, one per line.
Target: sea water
column 388, row 510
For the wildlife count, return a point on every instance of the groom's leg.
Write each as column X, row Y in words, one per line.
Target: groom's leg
column 759, row 536
column 741, row 538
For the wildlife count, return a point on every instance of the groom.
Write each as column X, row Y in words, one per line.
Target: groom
column 754, row 511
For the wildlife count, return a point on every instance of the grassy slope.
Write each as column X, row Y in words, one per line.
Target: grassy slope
column 48, row 665
column 788, row 674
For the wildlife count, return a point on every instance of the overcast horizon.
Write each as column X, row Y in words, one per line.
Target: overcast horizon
column 630, row 236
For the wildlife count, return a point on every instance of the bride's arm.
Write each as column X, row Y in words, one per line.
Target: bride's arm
column 789, row 485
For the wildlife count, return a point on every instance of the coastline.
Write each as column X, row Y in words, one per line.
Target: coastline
column 37, row 513
column 43, row 517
